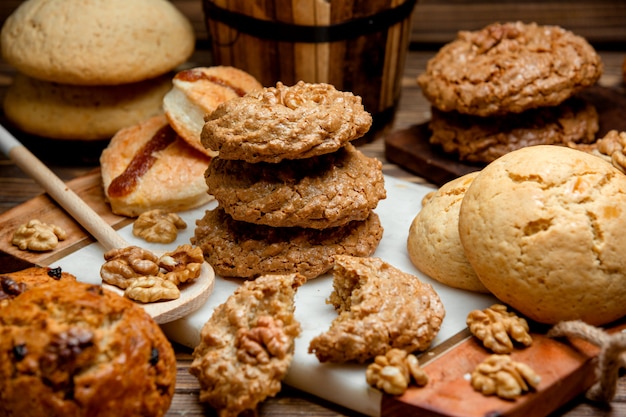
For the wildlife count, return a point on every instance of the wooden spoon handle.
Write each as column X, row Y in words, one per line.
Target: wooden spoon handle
column 60, row 192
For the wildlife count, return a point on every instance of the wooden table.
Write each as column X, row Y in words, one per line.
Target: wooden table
column 16, row 188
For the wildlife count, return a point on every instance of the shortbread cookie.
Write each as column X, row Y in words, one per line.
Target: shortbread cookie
column 147, row 166
column 543, row 227
column 318, row 192
column 246, row 250
column 483, row 139
column 284, row 122
column 74, row 349
column 247, row 345
column 509, row 68
column 433, row 243
column 97, row 42
column 61, row 111
column 380, row 308
column 196, row 92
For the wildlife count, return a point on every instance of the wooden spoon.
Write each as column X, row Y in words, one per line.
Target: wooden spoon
column 192, row 296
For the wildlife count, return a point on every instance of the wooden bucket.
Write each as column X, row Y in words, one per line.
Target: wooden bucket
column 357, row 46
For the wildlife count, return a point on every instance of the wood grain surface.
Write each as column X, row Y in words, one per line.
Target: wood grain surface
column 79, row 162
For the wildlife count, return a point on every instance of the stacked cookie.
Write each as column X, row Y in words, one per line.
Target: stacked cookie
column 88, row 69
column 292, row 191
column 509, row 86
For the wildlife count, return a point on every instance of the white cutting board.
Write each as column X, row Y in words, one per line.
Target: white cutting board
column 343, row 384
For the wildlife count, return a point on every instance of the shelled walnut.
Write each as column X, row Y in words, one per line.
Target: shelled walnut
column 500, row 375
column 495, row 327
column 160, row 276
column 393, row 372
column 158, row 226
column 38, row 236
column 257, row 345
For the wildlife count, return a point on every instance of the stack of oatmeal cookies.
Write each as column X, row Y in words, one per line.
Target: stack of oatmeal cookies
column 508, row 86
column 292, row 191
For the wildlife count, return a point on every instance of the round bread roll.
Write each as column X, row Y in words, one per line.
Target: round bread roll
column 434, row 245
column 197, row 92
column 543, row 227
column 74, row 349
column 147, row 166
column 62, row 111
column 96, row 42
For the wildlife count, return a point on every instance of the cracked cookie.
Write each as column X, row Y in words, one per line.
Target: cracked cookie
column 318, row 192
column 380, row 308
column 246, row 250
column 509, row 68
column 543, row 228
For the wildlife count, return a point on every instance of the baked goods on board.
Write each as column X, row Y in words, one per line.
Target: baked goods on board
column 509, row 68
column 247, row 345
column 69, row 348
column 72, row 112
column 433, row 243
column 147, row 166
column 508, row 86
column 196, row 92
column 87, row 69
column 292, row 191
column 99, row 42
column 543, row 229
column 379, row 308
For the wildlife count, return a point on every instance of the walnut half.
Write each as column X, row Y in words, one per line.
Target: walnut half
column 38, row 236
column 495, row 327
column 158, row 226
column 257, row 345
column 393, row 372
column 500, row 375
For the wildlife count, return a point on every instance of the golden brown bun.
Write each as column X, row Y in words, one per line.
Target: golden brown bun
column 543, row 227
column 97, row 42
column 74, row 349
column 61, row 111
column 197, row 92
column 175, row 180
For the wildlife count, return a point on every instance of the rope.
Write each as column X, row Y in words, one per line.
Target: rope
column 611, row 359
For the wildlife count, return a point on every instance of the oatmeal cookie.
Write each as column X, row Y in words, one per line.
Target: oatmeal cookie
column 247, row 345
column 284, row 122
column 13, row 284
column 483, row 139
column 509, row 68
column 380, row 308
column 318, row 192
column 245, row 250
column 74, row 349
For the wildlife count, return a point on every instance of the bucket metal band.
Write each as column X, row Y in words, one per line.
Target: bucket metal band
column 281, row 31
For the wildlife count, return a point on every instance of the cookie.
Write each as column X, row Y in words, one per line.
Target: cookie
column 379, row 308
column 98, row 42
column 196, row 92
column 509, row 68
column 284, row 122
column 318, row 192
column 246, row 250
column 61, row 111
column 147, row 166
column 543, row 228
column 433, row 243
column 13, row 284
column 247, row 345
column 74, row 349
column 483, row 139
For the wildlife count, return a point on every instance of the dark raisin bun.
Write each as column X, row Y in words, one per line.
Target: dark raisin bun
column 74, row 349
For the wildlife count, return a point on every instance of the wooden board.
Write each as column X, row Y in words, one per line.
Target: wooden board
column 410, row 148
